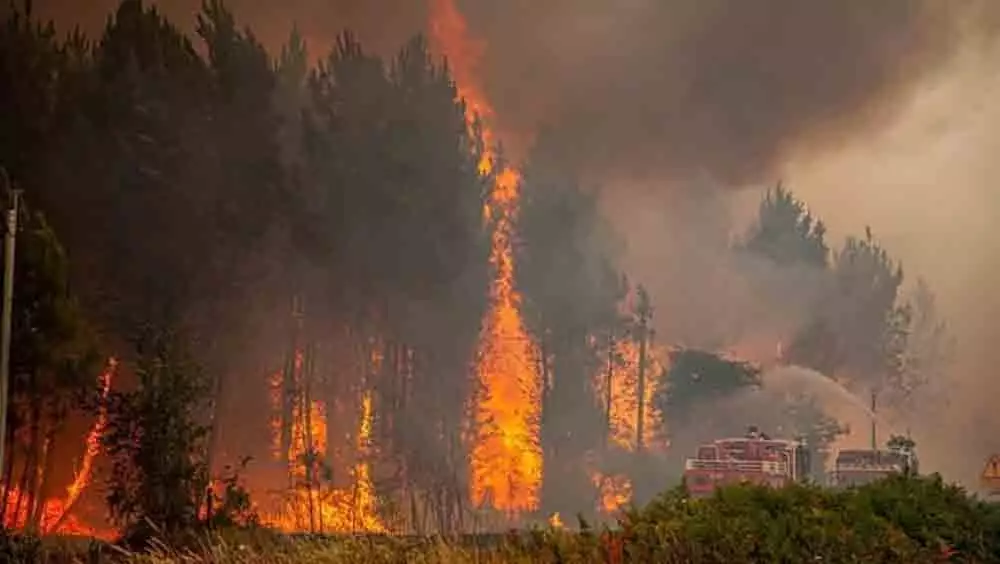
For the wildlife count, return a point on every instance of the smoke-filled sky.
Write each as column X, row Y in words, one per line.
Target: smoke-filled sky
column 719, row 88
column 878, row 113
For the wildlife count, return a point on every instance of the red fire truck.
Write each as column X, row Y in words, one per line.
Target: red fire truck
column 754, row 458
column 863, row 466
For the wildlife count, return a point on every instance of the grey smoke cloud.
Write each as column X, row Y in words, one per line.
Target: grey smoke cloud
column 716, row 87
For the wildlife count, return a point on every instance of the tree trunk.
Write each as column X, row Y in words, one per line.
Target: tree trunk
column 8, row 475
column 31, row 479
column 42, row 475
column 306, row 411
column 640, row 425
column 609, row 391
column 29, row 459
column 543, row 366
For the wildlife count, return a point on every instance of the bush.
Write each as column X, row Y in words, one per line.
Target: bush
column 900, row 519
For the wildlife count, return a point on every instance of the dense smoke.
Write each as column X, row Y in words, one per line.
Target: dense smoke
column 719, row 88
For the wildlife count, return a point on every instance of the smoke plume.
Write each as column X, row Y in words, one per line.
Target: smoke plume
column 720, row 88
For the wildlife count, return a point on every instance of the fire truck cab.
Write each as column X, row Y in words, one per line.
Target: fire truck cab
column 857, row 467
column 755, row 458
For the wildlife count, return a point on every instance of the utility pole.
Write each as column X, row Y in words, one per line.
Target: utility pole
column 8, row 304
column 645, row 312
column 874, row 441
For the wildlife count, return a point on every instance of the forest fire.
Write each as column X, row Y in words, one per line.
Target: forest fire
column 312, row 503
column 506, row 467
column 613, row 492
column 623, row 402
column 618, row 387
column 54, row 515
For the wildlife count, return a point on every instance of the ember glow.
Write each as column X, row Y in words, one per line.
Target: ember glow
column 623, row 417
column 56, row 515
column 54, row 518
column 506, row 459
column 311, row 503
column 82, row 476
column 621, row 404
column 613, row 492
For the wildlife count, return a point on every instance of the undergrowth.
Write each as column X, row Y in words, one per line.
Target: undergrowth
column 902, row 519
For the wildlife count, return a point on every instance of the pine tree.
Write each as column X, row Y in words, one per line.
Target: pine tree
column 786, row 233
column 566, row 257
column 156, row 443
column 54, row 363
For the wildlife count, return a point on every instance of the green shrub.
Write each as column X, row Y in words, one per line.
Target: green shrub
column 900, row 519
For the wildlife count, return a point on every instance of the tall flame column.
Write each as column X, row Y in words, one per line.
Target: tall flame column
column 506, row 465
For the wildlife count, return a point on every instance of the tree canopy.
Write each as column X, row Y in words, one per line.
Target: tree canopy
column 786, row 233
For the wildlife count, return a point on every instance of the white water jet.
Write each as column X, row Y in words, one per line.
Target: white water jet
column 825, row 390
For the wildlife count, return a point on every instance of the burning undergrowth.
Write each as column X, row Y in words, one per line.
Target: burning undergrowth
column 27, row 504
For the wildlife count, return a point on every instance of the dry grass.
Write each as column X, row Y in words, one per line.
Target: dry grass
column 341, row 551
column 248, row 546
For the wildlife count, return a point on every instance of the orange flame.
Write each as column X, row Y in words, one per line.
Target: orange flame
column 54, row 511
column 82, row 477
column 56, row 514
column 624, row 405
column 311, row 504
column 506, row 466
column 613, row 491
column 334, row 510
column 275, row 395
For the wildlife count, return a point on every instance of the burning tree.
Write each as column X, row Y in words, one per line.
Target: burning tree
column 54, row 359
column 390, row 170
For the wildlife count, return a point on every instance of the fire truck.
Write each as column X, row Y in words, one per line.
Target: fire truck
column 858, row 467
column 754, row 458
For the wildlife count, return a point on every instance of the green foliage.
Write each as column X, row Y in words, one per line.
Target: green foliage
column 859, row 329
column 861, row 333
column 874, row 324
column 54, row 354
column 159, row 478
column 899, row 519
column 786, row 233
column 696, row 377
column 901, row 443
